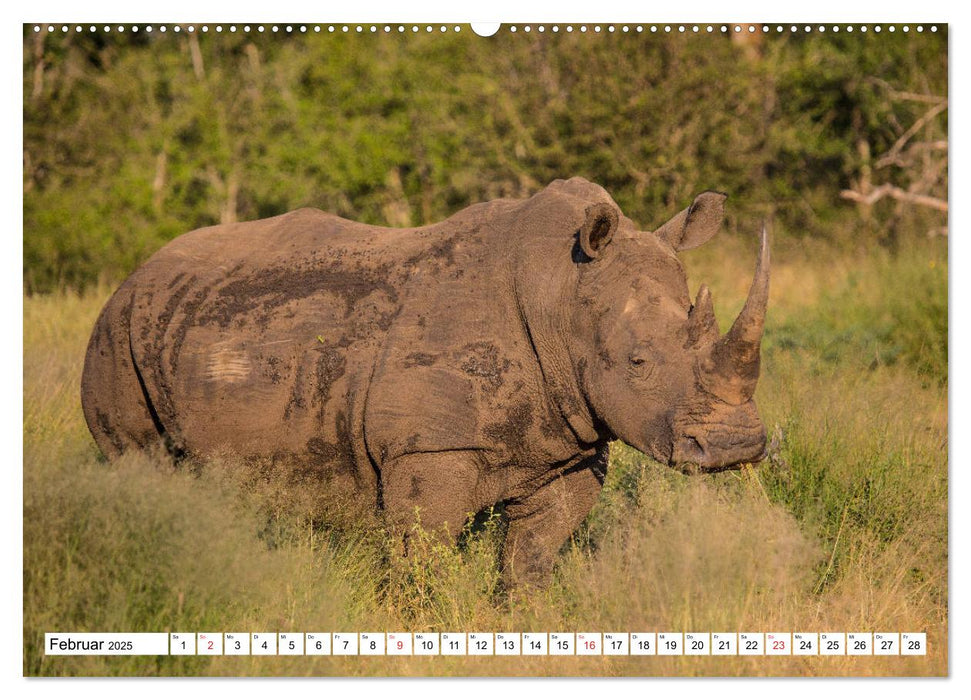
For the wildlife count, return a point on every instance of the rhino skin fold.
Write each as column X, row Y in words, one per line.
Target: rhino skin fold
column 485, row 359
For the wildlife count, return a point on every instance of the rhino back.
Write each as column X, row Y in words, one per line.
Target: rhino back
column 263, row 336
column 259, row 337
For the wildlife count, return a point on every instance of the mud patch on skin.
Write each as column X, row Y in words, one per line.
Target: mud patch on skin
column 445, row 250
column 602, row 352
column 513, row 432
column 273, row 368
column 568, row 403
column 154, row 339
column 330, row 367
column 582, row 371
column 419, row 359
column 175, row 280
column 189, row 311
column 270, row 289
column 605, row 358
column 442, row 250
column 105, row 424
column 374, row 313
column 171, row 306
column 296, row 399
column 345, row 444
column 107, row 333
column 416, row 484
column 334, row 456
column 383, row 318
column 327, row 451
column 550, row 429
column 483, row 362
column 146, row 328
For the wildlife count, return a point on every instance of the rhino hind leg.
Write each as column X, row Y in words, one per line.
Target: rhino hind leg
column 116, row 407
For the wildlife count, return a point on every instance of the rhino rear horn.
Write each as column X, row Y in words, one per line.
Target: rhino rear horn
column 600, row 222
column 696, row 224
column 702, row 324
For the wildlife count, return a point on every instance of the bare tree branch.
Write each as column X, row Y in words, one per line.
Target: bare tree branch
column 902, row 95
column 197, row 65
column 158, row 184
column 891, row 156
column 894, row 192
column 38, row 66
column 916, row 149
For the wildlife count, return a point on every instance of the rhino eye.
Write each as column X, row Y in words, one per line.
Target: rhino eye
column 641, row 361
column 641, row 364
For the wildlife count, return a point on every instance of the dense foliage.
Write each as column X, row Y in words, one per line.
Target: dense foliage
column 132, row 139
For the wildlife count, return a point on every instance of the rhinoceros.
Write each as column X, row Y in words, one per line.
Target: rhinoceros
column 436, row 371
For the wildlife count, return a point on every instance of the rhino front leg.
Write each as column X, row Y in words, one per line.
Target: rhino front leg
column 436, row 488
column 540, row 523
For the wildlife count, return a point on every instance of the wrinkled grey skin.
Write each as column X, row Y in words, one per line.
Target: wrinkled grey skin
column 485, row 359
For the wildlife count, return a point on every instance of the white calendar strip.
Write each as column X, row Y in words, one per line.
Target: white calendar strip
column 487, row 644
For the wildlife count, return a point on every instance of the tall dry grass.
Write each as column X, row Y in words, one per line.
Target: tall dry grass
column 843, row 529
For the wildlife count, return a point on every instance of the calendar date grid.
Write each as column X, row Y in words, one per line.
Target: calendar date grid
column 489, row 644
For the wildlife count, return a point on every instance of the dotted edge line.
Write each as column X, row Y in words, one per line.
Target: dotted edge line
column 729, row 28
column 555, row 28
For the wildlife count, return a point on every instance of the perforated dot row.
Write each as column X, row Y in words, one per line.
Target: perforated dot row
column 246, row 28
column 723, row 28
column 427, row 28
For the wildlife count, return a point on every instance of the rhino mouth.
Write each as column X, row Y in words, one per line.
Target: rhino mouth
column 694, row 454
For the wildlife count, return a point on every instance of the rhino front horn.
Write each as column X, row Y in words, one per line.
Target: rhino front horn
column 734, row 365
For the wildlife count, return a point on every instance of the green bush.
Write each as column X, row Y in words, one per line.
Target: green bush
column 131, row 140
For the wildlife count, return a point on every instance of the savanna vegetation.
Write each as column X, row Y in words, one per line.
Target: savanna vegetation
column 839, row 142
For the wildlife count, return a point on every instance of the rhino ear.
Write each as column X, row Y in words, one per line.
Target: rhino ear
column 696, row 224
column 600, row 223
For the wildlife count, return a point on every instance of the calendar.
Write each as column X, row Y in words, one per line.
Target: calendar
column 765, row 644
column 381, row 349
